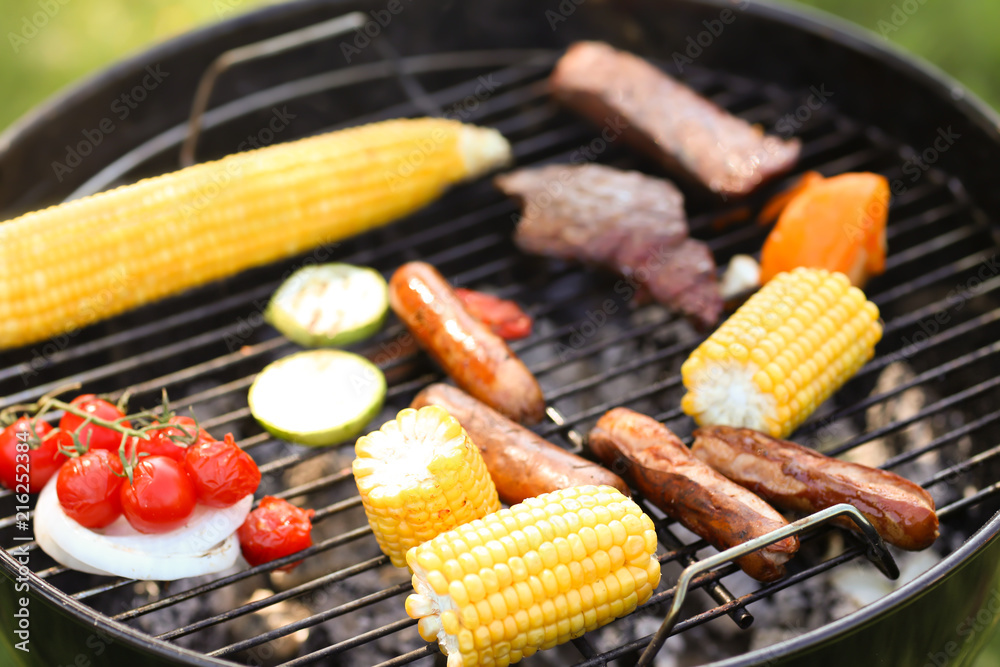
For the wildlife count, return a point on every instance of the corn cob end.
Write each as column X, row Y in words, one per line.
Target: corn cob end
column 418, row 476
column 785, row 351
column 483, row 149
column 533, row 576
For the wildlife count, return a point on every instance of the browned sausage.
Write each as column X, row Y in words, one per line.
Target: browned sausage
column 477, row 359
column 522, row 464
column 706, row 503
column 800, row 479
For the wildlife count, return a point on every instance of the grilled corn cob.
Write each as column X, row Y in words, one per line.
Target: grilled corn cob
column 533, row 576
column 790, row 346
column 420, row 475
column 73, row 264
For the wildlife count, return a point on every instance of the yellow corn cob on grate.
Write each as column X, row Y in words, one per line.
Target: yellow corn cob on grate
column 533, row 576
column 785, row 351
column 419, row 476
column 73, row 264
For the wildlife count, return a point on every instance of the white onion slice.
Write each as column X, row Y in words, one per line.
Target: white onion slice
column 206, row 544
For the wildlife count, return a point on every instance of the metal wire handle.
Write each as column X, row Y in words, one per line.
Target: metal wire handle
column 261, row 49
column 877, row 553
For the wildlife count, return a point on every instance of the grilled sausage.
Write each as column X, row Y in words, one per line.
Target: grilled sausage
column 522, row 464
column 797, row 478
column 477, row 359
column 709, row 505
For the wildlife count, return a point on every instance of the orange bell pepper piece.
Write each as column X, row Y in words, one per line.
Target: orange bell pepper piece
column 835, row 223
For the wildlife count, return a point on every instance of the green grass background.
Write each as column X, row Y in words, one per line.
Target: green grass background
column 81, row 36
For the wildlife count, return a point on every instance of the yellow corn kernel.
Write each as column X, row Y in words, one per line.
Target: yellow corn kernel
column 808, row 332
column 88, row 259
column 402, row 471
column 568, row 575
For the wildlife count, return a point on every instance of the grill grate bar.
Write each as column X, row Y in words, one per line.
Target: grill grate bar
column 353, row 642
column 313, row 620
column 407, row 658
column 759, row 594
column 964, row 466
column 927, row 411
column 256, row 605
column 207, row 587
column 932, row 374
column 975, row 499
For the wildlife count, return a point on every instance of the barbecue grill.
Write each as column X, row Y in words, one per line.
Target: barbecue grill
column 925, row 406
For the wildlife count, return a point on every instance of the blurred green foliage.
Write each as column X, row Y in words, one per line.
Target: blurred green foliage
column 51, row 43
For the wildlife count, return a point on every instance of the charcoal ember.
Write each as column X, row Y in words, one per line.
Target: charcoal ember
column 667, row 120
column 623, row 220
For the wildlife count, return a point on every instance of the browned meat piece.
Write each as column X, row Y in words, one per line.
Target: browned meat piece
column 709, row 505
column 623, row 220
column 800, row 479
column 668, row 120
column 477, row 359
column 522, row 464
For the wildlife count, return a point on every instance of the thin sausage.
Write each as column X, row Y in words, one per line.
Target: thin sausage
column 477, row 359
column 797, row 478
column 706, row 503
column 522, row 464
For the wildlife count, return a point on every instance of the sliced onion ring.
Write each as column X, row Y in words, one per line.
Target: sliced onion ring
column 206, row 544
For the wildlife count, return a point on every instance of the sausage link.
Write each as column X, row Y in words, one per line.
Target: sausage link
column 706, row 503
column 797, row 478
column 477, row 359
column 522, row 464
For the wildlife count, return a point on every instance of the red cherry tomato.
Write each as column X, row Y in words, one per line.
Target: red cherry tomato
column 275, row 529
column 160, row 497
column 221, row 472
column 98, row 437
column 89, row 488
column 27, row 461
column 505, row 318
column 174, row 441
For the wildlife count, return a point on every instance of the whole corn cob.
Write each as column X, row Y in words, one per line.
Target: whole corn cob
column 790, row 346
column 76, row 263
column 419, row 476
column 533, row 576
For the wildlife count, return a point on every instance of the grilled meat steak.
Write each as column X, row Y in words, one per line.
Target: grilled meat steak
column 622, row 220
column 668, row 120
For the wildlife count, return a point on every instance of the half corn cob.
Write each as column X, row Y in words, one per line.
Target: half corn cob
column 419, row 476
column 790, row 346
column 533, row 576
column 79, row 262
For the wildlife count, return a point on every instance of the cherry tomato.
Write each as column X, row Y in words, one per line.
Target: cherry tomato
column 28, row 459
column 505, row 318
column 275, row 529
column 174, row 441
column 98, row 437
column 160, row 497
column 89, row 488
column 221, row 472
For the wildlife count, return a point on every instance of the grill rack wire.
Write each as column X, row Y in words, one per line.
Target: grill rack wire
column 937, row 238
